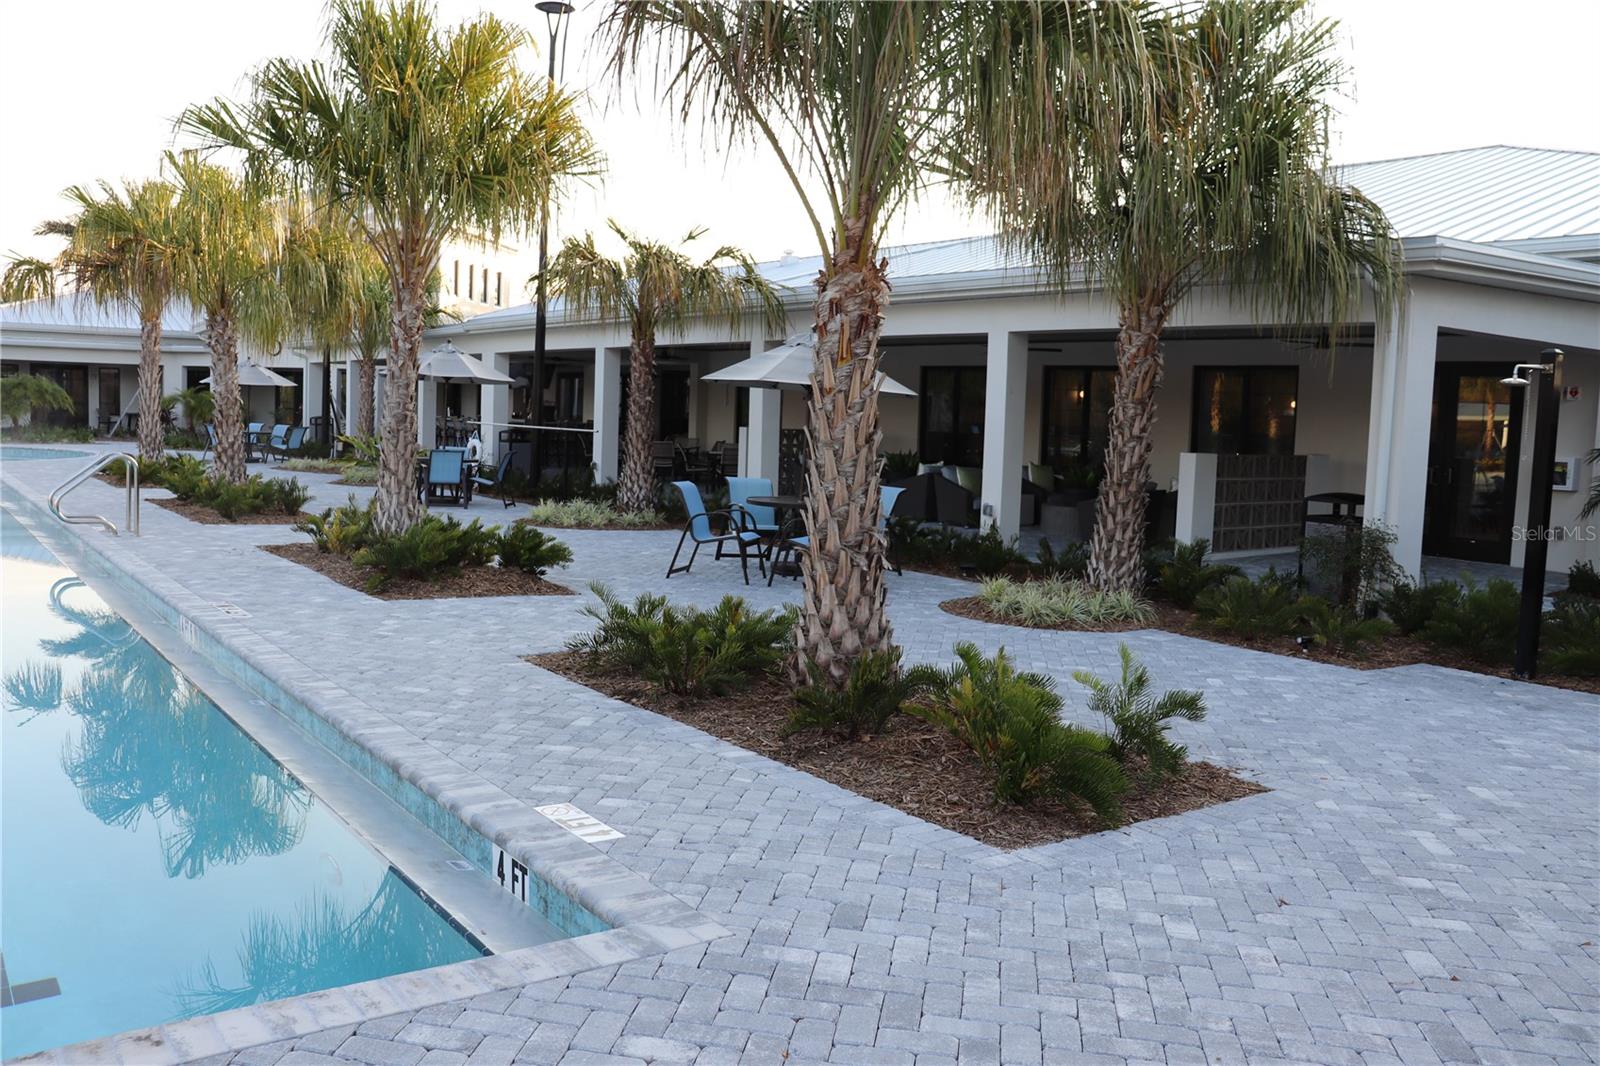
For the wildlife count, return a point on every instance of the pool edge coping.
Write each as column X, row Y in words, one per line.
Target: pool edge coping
column 643, row 920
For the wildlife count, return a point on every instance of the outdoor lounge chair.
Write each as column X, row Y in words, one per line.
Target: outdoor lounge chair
column 741, row 532
column 498, row 482
column 740, row 489
column 447, row 476
column 292, row 442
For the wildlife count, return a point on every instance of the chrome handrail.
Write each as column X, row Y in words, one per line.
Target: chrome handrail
column 130, row 477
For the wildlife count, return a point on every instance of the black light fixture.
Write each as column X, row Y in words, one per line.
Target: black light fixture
column 1545, row 377
column 556, row 14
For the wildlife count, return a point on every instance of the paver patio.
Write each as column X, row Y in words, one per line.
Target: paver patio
column 1422, row 883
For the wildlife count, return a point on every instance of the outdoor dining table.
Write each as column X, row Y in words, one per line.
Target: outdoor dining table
column 780, row 504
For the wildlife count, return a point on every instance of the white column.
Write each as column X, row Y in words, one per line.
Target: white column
column 1004, row 406
column 1197, row 496
column 427, row 412
column 310, row 393
column 92, row 414
column 351, row 368
column 761, row 451
column 607, row 412
column 494, row 406
column 1402, row 421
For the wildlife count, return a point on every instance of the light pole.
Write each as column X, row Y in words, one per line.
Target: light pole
column 556, row 13
column 1544, row 375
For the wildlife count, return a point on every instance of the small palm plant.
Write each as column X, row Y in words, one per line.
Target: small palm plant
column 876, row 690
column 1139, row 719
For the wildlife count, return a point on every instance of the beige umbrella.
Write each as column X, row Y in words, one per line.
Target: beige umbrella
column 448, row 363
column 787, row 366
column 252, row 375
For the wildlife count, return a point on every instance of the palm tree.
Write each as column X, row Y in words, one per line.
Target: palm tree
column 415, row 133
column 322, row 270
column 1221, row 177
column 656, row 287
column 121, row 250
column 23, row 394
column 858, row 101
column 229, row 236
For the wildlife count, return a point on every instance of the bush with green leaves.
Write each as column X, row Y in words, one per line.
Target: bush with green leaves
column 1267, row 606
column 1340, row 629
column 1059, row 602
column 532, row 551
column 942, row 547
column 1478, row 621
column 365, row 449
column 1139, row 719
column 1184, row 574
column 426, row 550
column 1411, row 607
column 1583, row 580
column 1569, row 637
column 1350, row 566
column 342, row 530
column 1072, row 561
column 582, row 513
column 876, row 690
column 1012, row 721
column 685, row 650
column 34, row 433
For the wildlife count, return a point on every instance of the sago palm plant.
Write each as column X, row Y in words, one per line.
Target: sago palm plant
column 416, row 133
column 658, row 289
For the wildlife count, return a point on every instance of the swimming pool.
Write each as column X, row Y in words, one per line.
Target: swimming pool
column 16, row 453
column 157, row 863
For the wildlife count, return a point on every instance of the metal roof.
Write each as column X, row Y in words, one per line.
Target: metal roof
column 1487, row 195
column 79, row 311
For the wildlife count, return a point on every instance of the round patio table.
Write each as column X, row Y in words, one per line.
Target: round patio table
column 780, row 504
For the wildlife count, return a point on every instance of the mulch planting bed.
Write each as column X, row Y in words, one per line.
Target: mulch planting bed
column 199, row 512
column 914, row 767
column 469, row 581
column 1384, row 654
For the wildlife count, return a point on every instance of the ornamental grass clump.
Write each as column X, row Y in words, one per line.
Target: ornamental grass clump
column 589, row 514
column 1058, row 601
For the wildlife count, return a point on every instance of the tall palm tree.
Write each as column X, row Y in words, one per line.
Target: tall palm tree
column 416, row 133
column 321, row 271
column 859, row 101
column 229, row 235
column 657, row 288
column 121, row 251
column 1221, row 177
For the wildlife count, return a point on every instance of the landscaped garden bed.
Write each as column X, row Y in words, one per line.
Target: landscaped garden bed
column 208, row 516
column 979, row 749
column 435, row 559
column 200, row 496
column 582, row 513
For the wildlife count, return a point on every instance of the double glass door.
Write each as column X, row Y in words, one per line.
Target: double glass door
column 1472, row 463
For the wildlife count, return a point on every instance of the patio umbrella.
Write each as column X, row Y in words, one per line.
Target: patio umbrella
column 251, row 374
column 932, row 497
column 787, row 366
column 448, row 363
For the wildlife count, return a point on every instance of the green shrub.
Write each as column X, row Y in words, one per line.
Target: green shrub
column 1185, row 573
column 183, row 476
column 941, row 547
column 42, row 434
column 365, row 449
column 589, row 514
column 897, row 466
column 1411, row 607
column 1267, row 606
column 344, row 530
column 532, row 551
column 1584, row 580
column 1056, row 601
column 316, row 465
column 1139, row 721
column 426, row 550
column 1072, row 561
column 1340, row 628
column 1350, row 566
column 876, row 690
column 685, row 650
column 1479, row 622
column 1569, row 638
column 1012, row 722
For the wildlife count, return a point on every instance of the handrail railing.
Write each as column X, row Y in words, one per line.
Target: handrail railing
column 130, row 477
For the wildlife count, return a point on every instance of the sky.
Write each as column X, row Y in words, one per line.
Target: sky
column 89, row 90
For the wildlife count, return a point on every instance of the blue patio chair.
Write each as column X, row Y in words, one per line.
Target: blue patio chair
column 887, row 495
column 740, row 489
column 447, row 476
column 280, row 433
column 211, row 441
column 291, row 443
column 741, row 532
column 498, row 482
column 252, row 441
column 789, row 544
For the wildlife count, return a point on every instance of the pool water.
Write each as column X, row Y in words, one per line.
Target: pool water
column 14, row 453
column 155, row 863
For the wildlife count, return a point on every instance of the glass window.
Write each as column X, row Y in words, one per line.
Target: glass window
column 952, row 415
column 1245, row 410
column 1077, row 416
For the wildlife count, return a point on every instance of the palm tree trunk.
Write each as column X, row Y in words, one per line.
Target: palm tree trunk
column 843, row 615
column 366, row 394
column 398, row 506
column 1116, row 553
column 636, row 486
column 222, row 337
column 151, row 441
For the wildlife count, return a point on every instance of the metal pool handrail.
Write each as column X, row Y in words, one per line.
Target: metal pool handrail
column 130, row 474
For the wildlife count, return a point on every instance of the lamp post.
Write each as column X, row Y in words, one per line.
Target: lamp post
column 556, row 13
column 1544, row 376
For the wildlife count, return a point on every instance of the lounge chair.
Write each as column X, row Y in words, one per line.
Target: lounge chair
column 498, row 482
column 740, row 489
column 447, row 476
column 741, row 532
column 292, row 442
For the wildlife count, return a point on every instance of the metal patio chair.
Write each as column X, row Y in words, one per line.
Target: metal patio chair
column 741, row 532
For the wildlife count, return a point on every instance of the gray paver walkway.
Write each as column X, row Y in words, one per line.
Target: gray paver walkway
column 1422, row 884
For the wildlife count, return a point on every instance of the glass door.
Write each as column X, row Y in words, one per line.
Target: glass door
column 1472, row 463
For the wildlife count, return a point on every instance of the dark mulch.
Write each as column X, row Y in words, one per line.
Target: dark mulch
column 467, row 582
column 199, row 512
column 1385, row 654
column 915, row 767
